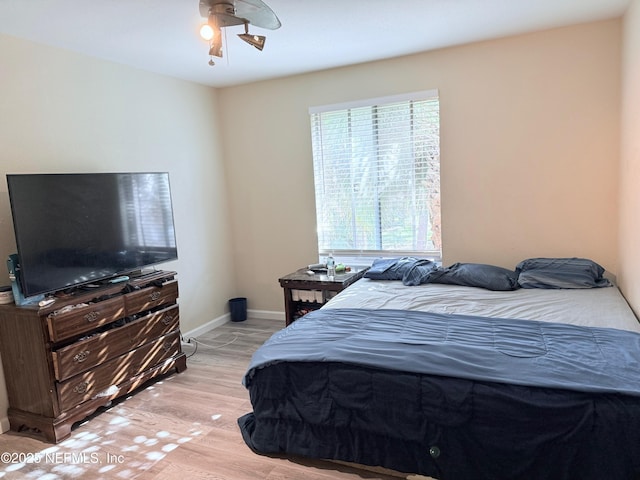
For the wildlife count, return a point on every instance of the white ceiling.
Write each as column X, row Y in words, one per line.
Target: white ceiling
column 162, row 35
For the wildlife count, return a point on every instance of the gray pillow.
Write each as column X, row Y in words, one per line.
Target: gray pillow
column 478, row 275
column 418, row 273
column 555, row 273
column 393, row 268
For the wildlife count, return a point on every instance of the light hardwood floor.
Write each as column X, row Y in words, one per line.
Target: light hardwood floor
column 182, row 427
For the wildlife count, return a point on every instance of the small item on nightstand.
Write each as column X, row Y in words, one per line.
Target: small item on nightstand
column 331, row 266
column 6, row 295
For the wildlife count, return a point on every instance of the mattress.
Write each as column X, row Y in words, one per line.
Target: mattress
column 593, row 307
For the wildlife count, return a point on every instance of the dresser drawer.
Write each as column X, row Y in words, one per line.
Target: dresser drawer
column 87, row 385
column 74, row 322
column 92, row 351
column 151, row 297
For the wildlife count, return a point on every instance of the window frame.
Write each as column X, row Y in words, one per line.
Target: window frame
column 353, row 256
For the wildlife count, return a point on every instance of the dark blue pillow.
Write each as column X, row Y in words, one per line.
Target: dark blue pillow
column 560, row 273
column 393, row 268
column 419, row 273
column 478, row 275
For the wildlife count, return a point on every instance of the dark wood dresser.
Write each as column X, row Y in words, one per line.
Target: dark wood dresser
column 64, row 361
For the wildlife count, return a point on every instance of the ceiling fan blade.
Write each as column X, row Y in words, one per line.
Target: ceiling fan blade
column 258, row 13
column 235, row 12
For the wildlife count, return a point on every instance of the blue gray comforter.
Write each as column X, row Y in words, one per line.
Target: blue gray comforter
column 518, row 352
column 450, row 396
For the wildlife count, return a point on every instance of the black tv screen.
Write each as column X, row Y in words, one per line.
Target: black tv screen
column 74, row 229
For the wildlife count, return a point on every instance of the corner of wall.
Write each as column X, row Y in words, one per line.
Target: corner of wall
column 629, row 171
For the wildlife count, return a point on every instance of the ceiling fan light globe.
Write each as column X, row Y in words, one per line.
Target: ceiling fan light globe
column 206, row 32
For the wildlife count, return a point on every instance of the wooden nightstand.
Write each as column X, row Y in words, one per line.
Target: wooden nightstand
column 304, row 293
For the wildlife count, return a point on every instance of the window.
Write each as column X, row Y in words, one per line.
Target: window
column 377, row 176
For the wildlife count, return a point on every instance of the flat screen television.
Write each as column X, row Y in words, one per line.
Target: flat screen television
column 77, row 229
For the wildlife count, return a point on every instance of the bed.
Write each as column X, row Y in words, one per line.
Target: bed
column 456, row 382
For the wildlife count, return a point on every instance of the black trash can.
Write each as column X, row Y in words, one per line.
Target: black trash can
column 238, row 309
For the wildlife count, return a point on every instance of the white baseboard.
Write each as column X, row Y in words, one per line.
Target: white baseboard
column 4, row 424
column 266, row 315
column 223, row 319
column 207, row 327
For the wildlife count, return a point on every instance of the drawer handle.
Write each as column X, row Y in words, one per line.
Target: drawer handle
column 92, row 316
column 155, row 296
column 81, row 357
column 81, row 388
column 167, row 319
column 167, row 346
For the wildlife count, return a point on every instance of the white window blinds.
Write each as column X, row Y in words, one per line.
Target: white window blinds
column 377, row 176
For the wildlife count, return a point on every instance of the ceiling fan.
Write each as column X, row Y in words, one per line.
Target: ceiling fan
column 227, row 13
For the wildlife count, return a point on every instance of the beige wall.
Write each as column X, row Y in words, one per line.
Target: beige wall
column 529, row 152
column 63, row 112
column 630, row 160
